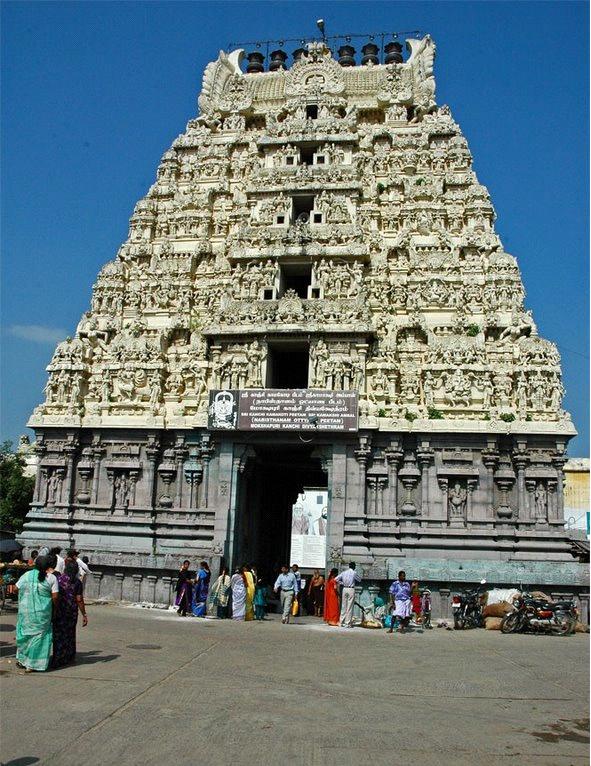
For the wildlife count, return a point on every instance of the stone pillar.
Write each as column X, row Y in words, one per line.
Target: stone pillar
column 362, row 455
column 119, row 576
column 206, row 450
column 215, row 366
column 504, row 479
column 152, row 580
column 371, row 494
column 70, row 451
column 150, row 480
column 180, row 453
column 167, row 587
column 152, row 450
column 444, row 487
column 444, row 603
column 137, row 586
column 381, row 483
column 424, row 459
column 393, row 456
column 470, row 487
column 490, row 458
column 97, row 455
column 520, row 460
column 558, row 462
column 530, row 488
column 551, row 499
column 96, row 584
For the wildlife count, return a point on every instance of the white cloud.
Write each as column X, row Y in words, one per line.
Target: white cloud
column 37, row 333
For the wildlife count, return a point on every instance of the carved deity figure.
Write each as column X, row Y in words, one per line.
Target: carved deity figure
column 515, row 330
column 122, row 486
column 155, row 393
column 320, row 355
column 457, row 499
column 54, row 486
column 541, row 501
column 521, row 396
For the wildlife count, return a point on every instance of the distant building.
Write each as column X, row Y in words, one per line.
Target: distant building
column 576, row 494
column 27, row 451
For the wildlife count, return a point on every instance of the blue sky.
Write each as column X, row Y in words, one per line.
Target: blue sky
column 94, row 93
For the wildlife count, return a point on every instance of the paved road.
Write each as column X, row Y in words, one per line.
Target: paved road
column 154, row 689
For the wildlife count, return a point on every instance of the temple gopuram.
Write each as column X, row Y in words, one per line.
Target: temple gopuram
column 312, row 294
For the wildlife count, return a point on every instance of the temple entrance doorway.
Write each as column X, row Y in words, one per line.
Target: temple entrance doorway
column 274, row 479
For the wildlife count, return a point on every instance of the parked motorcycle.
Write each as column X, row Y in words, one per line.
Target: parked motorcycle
column 467, row 609
column 540, row 616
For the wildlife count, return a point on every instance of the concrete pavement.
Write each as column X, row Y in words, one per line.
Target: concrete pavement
column 152, row 688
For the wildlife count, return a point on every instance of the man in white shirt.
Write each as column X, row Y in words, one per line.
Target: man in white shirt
column 61, row 562
column 348, row 580
column 83, row 569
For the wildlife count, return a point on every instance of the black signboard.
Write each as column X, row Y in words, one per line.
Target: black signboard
column 282, row 409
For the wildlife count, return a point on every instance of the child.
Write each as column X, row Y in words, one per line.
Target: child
column 415, row 601
column 260, row 600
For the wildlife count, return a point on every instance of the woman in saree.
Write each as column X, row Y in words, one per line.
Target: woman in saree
column 219, row 596
column 184, row 589
column 66, row 615
column 201, row 589
column 37, row 593
column 238, row 585
column 250, row 591
column 332, row 610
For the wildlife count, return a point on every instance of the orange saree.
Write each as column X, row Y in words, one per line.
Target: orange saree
column 331, row 602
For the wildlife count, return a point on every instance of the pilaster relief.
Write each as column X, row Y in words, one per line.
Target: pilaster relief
column 362, row 455
column 123, row 472
column 394, row 455
column 457, row 476
column 409, row 475
column 193, row 471
column 504, row 478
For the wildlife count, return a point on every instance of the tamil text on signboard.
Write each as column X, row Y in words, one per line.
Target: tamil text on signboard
column 272, row 409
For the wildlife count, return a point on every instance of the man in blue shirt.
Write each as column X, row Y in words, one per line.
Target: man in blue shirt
column 400, row 598
column 287, row 587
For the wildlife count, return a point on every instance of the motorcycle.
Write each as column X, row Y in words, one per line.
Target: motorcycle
column 467, row 609
column 540, row 616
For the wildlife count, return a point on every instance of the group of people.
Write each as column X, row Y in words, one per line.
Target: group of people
column 244, row 595
column 50, row 597
column 407, row 601
column 196, row 594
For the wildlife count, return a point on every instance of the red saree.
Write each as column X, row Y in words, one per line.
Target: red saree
column 331, row 602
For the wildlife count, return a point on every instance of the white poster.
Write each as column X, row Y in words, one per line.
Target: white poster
column 308, row 528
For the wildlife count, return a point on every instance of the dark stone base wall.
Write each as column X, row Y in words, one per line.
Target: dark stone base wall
column 140, row 501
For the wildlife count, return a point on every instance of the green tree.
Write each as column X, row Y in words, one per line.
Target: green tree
column 16, row 489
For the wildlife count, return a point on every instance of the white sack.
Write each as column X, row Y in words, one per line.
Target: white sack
column 496, row 595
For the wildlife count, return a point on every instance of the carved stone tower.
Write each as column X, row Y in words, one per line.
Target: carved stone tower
column 315, row 227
